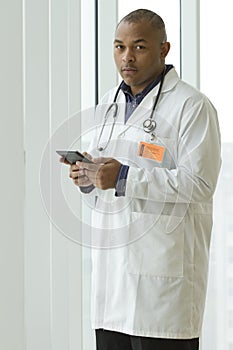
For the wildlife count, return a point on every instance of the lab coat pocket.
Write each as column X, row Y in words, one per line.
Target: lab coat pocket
column 170, row 155
column 155, row 253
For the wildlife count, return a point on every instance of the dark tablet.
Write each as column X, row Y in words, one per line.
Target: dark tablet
column 73, row 156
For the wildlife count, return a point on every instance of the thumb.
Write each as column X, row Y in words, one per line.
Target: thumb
column 87, row 155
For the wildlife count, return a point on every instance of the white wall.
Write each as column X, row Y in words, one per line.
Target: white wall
column 42, row 81
column 53, row 263
column 11, row 179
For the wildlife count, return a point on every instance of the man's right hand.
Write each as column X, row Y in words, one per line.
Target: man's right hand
column 77, row 174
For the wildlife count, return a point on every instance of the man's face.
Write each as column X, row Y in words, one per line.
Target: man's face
column 139, row 54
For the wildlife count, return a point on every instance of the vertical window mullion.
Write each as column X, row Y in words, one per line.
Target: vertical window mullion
column 190, row 41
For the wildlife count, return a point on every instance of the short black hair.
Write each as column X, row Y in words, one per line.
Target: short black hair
column 142, row 15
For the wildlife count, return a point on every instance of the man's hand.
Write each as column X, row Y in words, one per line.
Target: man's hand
column 103, row 173
column 76, row 174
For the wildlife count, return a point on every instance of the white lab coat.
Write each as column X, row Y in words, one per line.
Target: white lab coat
column 150, row 261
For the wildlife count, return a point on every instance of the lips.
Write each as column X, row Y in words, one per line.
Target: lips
column 128, row 69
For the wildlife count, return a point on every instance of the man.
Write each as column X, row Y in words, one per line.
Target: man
column 153, row 190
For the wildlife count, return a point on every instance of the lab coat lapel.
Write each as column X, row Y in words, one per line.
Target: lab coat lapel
column 144, row 109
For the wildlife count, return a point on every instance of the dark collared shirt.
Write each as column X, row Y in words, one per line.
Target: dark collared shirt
column 133, row 101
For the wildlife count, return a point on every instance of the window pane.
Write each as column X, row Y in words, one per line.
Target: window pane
column 216, row 56
column 216, row 24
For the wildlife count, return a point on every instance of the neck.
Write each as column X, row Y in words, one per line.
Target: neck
column 136, row 90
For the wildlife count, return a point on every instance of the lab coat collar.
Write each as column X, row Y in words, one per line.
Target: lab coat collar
column 170, row 80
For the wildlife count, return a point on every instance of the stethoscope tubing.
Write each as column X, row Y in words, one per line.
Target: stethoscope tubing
column 115, row 106
column 149, row 125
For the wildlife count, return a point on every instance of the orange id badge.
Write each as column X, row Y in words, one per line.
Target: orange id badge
column 151, row 151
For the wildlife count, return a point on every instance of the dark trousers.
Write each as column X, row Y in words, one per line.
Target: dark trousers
column 109, row 340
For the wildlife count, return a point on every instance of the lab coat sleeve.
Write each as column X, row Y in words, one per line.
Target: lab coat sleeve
column 194, row 178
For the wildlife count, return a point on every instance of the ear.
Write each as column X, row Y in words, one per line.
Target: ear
column 165, row 47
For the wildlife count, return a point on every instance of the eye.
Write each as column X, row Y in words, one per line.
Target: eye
column 119, row 47
column 140, row 47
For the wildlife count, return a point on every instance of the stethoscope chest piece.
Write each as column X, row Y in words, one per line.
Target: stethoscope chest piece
column 149, row 125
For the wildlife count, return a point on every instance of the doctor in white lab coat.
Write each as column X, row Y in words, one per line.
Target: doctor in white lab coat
column 153, row 194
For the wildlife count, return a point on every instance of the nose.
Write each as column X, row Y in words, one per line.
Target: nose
column 128, row 56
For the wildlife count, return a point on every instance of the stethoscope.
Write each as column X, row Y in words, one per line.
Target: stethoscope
column 149, row 124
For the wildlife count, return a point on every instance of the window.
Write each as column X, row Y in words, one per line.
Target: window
column 230, row 255
column 215, row 81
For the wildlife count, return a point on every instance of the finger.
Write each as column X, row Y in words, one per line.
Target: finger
column 83, row 181
column 74, row 167
column 74, row 173
column 79, row 179
column 92, row 176
column 77, row 174
column 82, row 172
column 88, row 166
column 64, row 161
column 87, row 155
